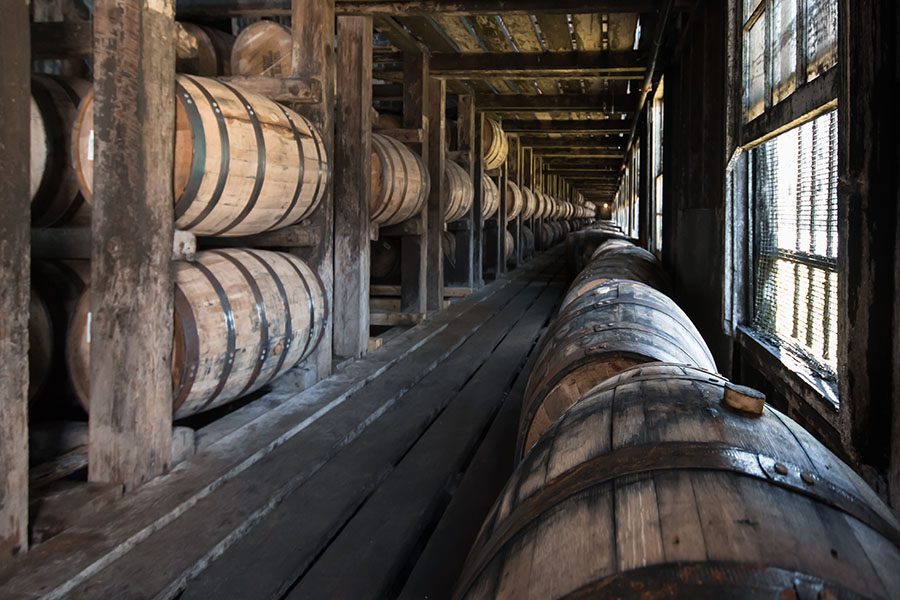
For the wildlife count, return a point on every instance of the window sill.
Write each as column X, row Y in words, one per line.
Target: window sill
column 818, row 392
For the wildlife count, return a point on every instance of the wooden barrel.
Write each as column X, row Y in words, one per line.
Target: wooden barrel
column 514, row 201
column 490, row 199
column 388, row 121
column 495, row 146
column 460, row 192
column 400, row 182
column 55, row 196
column 213, row 57
column 551, row 234
column 262, row 48
column 56, row 287
column 510, row 245
column 629, row 263
column 527, row 242
column 600, row 333
column 243, row 164
column 651, row 488
column 580, row 247
column 448, row 247
column 529, row 203
column 242, row 318
column 385, row 258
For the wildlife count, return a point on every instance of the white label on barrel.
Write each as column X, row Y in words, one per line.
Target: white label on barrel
column 91, row 145
column 87, row 330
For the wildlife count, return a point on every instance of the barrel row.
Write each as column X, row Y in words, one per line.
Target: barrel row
column 645, row 473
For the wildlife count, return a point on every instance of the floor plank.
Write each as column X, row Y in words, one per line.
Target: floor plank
column 377, row 547
column 277, row 551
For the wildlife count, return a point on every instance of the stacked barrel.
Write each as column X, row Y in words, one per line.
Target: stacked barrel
column 644, row 473
column 243, row 165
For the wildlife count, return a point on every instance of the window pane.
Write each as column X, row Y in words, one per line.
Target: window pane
column 821, row 36
column 784, row 48
column 755, row 69
column 795, row 276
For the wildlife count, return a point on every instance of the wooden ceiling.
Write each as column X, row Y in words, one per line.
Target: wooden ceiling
column 561, row 74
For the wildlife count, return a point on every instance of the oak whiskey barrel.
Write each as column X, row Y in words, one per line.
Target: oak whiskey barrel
column 400, row 182
column 214, row 48
column 243, row 164
column 514, row 201
column 490, row 199
column 529, row 203
column 623, row 260
column 650, row 487
column 262, row 48
column 600, row 333
column 242, row 318
column 460, row 192
column 495, row 146
column 55, row 196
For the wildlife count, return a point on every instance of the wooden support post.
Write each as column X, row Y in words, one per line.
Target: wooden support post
column 15, row 261
column 477, row 173
column 312, row 57
column 514, row 164
column 502, row 221
column 413, row 258
column 463, row 272
column 352, row 185
column 436, row 111
column 131, row 276
column 869, row 228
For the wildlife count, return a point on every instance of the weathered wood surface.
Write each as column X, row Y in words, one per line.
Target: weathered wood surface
column 312, row 57
column 283, row 547
column 413, row 496
column 262, row 48
column 273, row 307
column 419, row 7
column 229, row 452
column 651, row 484
column 213, row 51
column 353, row 185
column 459, row 190
column 243, row 164
column 603, row 331
column 438, row 567
column 131, row 278
column 435, row 111
column 615, row 259
column 462, row 271
column 288, row 89
column 559, row 65
column 494, row 145
column 15, row 258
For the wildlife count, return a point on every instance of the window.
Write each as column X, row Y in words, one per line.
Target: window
column 782, row 281
column 656, row 168
column 787, row 43
column 795, row 277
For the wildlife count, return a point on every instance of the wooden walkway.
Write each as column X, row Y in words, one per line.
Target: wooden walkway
column 371, row 484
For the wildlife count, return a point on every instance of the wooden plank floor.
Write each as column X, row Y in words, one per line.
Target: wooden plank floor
column 334, row 491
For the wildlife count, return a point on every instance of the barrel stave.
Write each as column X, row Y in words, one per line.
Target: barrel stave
column 606, row 497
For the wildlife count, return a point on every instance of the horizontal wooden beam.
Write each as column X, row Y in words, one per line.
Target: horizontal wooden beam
column 295, row 236
column 559, row 65
column 575, row 102
column 281, row 89
column 552, row 156
column 598, row 143
column 570, row 127
column 419, row 7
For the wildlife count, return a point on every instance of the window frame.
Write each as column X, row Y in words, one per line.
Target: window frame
column 810, row 99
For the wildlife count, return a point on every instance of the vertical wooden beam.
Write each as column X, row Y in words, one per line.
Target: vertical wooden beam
column 131, row 277
column 15, row 260
column 869, row 176
column 514, row 164
column 352, row 185
column 502, row 220
column 465, row 271
column 312, row 57
column 413, row 259
column 437, row 155
column 478, row 234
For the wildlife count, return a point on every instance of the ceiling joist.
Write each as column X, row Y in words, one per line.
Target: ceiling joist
column 530, row 65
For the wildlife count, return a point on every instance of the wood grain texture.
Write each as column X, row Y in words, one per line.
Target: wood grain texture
column 607, row 489
column 436, row 110
column 400, row 182
column 15, row 257
column 312, row 57
column 131, row 292
column 353, row 185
